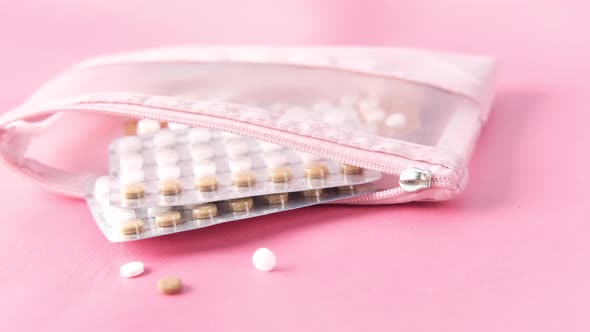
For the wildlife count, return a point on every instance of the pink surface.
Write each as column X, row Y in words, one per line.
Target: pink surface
column 512, row 253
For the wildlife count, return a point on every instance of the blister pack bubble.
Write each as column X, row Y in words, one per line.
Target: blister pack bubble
column 124, row 224
column 195, row 165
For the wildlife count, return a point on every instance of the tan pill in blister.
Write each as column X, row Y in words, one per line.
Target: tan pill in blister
column 280, row 174
column 168, row 219
column 169, row 285
column 241, row 204
column 205, row 211
column 351, row 170
column 133, row 191
column 207, row 183
column 277, row 198
column 347, row 189
column 170, row 187
column 315, row 170
column 131, row 227
column 313, row 193
column 243, row 179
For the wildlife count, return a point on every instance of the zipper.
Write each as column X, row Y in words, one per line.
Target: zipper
column 410, row 179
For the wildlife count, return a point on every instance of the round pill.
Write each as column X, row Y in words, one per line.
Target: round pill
column 280, row 174
column 131, row 269
column 131, row 227
column 170, row 187
column 374, row 116
column 166, row 156
column 396, row 120
column 308, row 157
column 153, row 211
column 165, row 138
column 277, row 198
column 133, row 191
column 168, row 219
column 101, row 188
column 205, row 211
column 204, row 168
column 347, row 189
column 313, row 193
column 131, row 161
column 169, row 285
column 201, row 152
column 115, row 215
column 275, row 159
column 241, row 204
column 207, row 183
column 236, row 147
column 147, row 126
column 351, row 170
column 131, row 176
column 369, row 103
column 315, row 170
column 267, row 146
column 176, row 126
column 264, row 260
column 198, row 135
column 129, row 144
column 240, row 164
column 168, row 172
column 243, row 179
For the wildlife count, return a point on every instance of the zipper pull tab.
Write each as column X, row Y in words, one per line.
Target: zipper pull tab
column 414, row 179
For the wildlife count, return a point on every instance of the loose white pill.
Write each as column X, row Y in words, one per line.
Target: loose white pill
column 264, row 259
column 129, row 144
column 131, row 176
column 368, row 103
column 275, row 159
column 176, row 126
column 147, row 126
column 131, row 161
column 101, row 188
column 153, row 211
column 374, row 116
column 164, row 139
column 204, row 168
column 166, row 157
column 201, row 152
column 168, row 172
column 240, row 164
column 198, row 135
column 308, row 157
column 131, row 269
column 236, row 147
column 267, row 146
column 396, row 120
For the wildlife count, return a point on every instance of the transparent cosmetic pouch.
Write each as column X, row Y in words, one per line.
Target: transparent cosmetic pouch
column 412, row 115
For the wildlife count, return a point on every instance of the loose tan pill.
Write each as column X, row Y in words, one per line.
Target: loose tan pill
column 280, row 174
column 351, row 170
column 169, row 285
column 241, row 204
column 277, row 198
column 244, row 179
column 205, row 211
column 168, row 219
column 133, row 191
column 131, row 227
column 315, row 170
column 313, row 193
column 208, row 183
column 170, row 187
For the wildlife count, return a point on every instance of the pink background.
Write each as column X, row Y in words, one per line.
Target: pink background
column 511, row 254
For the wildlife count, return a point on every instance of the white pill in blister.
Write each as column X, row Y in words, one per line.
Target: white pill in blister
column 275, row 159
column 101, row 188
column 240, row 164
column 153, row 211
column 131, row 161
column 264, row 259
column 202, row 152
column 236, row 147
column 198, row 135
column 308, row 157
column 115, row 215
column 176, row 126
column 395, row 120
column 129, row 144
column 131, row 176
column 166, row 156
column 147, row 126
column 267, row 146
column 168, row 172
column 374, row 116
column 165, row 138
column 131, row 269
column 204, row 168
